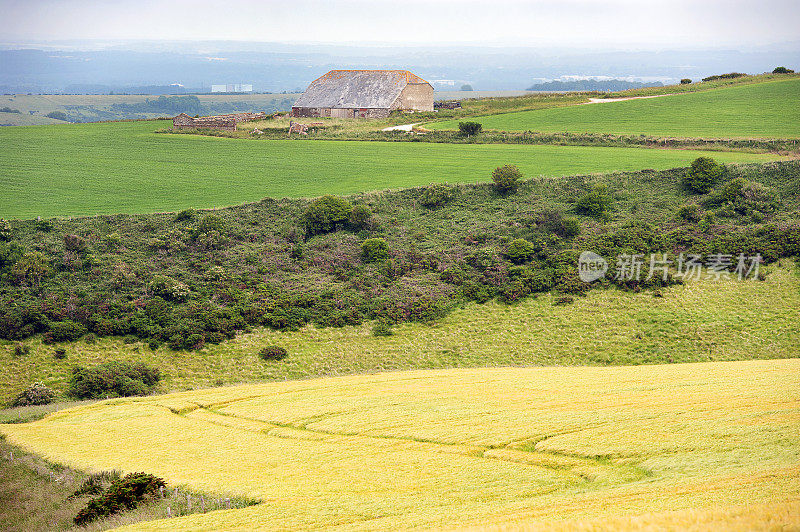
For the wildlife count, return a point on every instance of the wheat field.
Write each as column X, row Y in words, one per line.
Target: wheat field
column 598, row 447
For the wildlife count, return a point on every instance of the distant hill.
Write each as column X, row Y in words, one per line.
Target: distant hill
column 608, row 85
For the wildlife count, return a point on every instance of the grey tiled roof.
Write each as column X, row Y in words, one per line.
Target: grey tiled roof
column 346, row 89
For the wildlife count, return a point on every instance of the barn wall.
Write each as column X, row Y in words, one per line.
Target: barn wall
column 316, row 112
column 416, row 97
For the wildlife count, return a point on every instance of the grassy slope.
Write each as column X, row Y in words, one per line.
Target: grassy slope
column 92, row 169
column 701, row 321
column 20, row 119
column 457, row 447
column 743, row 111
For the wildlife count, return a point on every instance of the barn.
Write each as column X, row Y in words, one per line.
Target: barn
column 364, row 94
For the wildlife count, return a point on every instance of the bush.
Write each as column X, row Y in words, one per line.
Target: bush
column 75, row 243
column 686, row 81
column 382, row 328
column 596, row 203
column 506, row 178
column 374, row 249
column 5, row 230
column 90, row 338
column 185, row 215
column 326, row 214
column 58, row 115
column 113, row 379
column 44, row 226
column 273, row 352
column 731, row 75
column 35, row 394
column 124, row 494
column 690, row 213
column 782, row 70
column 436, row 196
column 554, row 222
column 519, row 251
column 360, row 216
column 702, row 175
column 60, row 353
column 470, row 128
column 64, row 331
column 20, row 350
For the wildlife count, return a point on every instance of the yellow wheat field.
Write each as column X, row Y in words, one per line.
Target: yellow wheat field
column 698, row 446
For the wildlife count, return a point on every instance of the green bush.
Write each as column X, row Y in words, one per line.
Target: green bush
column 470, row 128
column 112, row 379
column 690, row 213
column 554, row 222
column 44, row 226
column 374, row 250
column 5, row 230
column 520, row 250
column 185, row 215
column 702, row 175
column 75, row 243
column 60, row 353
column 64, row 331
column 20, row 350
column 782, row 70
column 359, row 217
column 326, row 214
column 596, row 203
column 382, row 328
column 35, row 394
column 273, row 352
column 436, row 195
column 686, row 81
column 506, row 178
column 124, row 494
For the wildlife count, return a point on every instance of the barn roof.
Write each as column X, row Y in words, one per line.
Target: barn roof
column 367, row 89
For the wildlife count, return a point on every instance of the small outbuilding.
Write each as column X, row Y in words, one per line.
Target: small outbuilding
column 364, row 94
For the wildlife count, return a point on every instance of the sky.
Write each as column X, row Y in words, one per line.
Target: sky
column 638, row 24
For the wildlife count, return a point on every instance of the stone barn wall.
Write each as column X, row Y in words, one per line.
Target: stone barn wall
column 224, row 122
column 415, row 96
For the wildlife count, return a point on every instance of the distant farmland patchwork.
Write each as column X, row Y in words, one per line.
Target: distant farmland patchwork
column 758, row 110
column 432, row 449
column 88, row 169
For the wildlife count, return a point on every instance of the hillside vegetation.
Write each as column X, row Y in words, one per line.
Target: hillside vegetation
column 453, row 448
column 753, row 110
column 186, row 281
column 90, row 169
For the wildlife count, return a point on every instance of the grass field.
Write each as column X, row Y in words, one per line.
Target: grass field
column 759, row 110
column 88, row 169
column 459, row 447
column 698, row 322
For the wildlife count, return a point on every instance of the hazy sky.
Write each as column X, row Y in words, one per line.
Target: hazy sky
column 603, row 23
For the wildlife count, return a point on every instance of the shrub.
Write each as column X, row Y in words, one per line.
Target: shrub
column 596, row 203
column 436, row 196
column 326, row 214
column 64, row 331
column 702, row 175
column 520, row 250
column 273, row 352
column 374, row 249
column 782, row 70
column 113, row 379
column 44, row 226
column 209, row 223
column 21, row 350
column 506, row 178
column 185, row 215
column 731, row 75
column 90, row 338
column 5, row 230
column 706, row 222
column 75, row 243
column 60, row 353
column 360, row 216
column 382, row 328
column 690, row 213
column 35, row 394
column 554, row 222
column 123, row 494
column 470, row 128
column 686, row 81
column 96, row 483
column 58, row 115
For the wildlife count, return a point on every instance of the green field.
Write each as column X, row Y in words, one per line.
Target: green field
column 455, row 448
column 87, row 169
column 759, row 110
